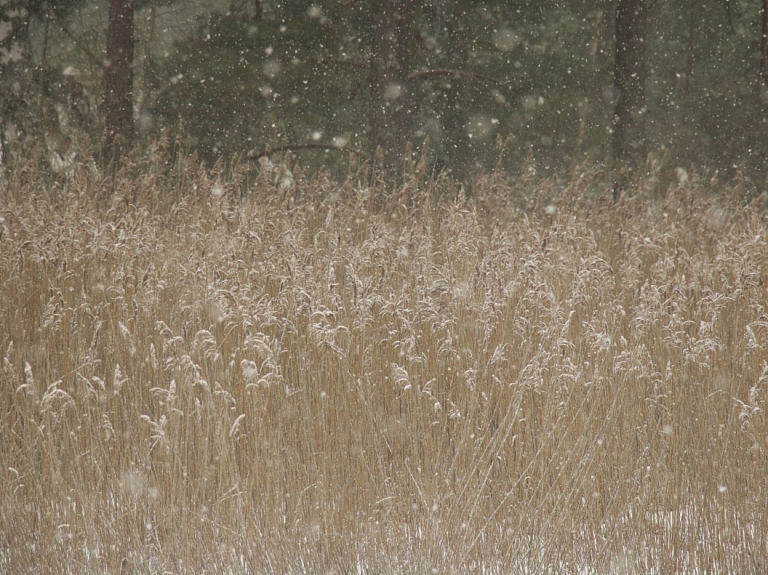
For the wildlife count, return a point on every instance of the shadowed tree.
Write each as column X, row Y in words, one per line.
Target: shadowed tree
column 393, row 41
column 23, row 119
column 764, row 42
column 18, row 122
column 629, row 78
column 119, row 130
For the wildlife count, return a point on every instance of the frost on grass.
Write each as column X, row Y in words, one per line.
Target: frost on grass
column 314, row 376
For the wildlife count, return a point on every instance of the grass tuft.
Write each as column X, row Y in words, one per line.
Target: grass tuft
column 336, row 378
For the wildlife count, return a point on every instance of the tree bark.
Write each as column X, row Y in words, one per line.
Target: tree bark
column 403, row 113
column 764, row 42
column 456, row 144
column 629, row 79
column 119, row 130
column 19, row 127
column 391, row 114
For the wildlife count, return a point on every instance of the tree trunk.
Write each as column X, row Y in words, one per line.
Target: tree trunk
column 391, row 113
column 629, row 78
column 376, row 82
column 19, row 127
column 764, row 42
column 457, row 146
column 119, row 131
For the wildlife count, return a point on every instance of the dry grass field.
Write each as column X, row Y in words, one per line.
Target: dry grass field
column 315, row 377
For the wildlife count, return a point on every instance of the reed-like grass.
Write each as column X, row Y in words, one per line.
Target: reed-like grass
column 335, row 378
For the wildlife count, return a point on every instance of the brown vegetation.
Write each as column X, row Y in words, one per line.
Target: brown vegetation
column 325, row 378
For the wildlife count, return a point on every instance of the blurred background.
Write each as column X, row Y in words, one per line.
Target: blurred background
column 463, row 83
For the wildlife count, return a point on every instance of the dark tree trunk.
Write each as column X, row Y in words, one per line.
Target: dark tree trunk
column 403, row 106
column 391, row 114
column 19, row 127
column 457, row 146
column 629, row 78
column 119, row 131
column 764, row 42
column 376, row 80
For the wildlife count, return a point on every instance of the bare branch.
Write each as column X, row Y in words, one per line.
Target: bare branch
column 252, row 155
column 479, row 79
column 93, row 58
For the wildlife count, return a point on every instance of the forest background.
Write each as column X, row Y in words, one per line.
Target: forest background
column 340, row 287
column 456, row 80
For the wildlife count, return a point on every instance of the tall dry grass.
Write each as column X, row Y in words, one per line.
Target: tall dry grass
column 324, row 378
